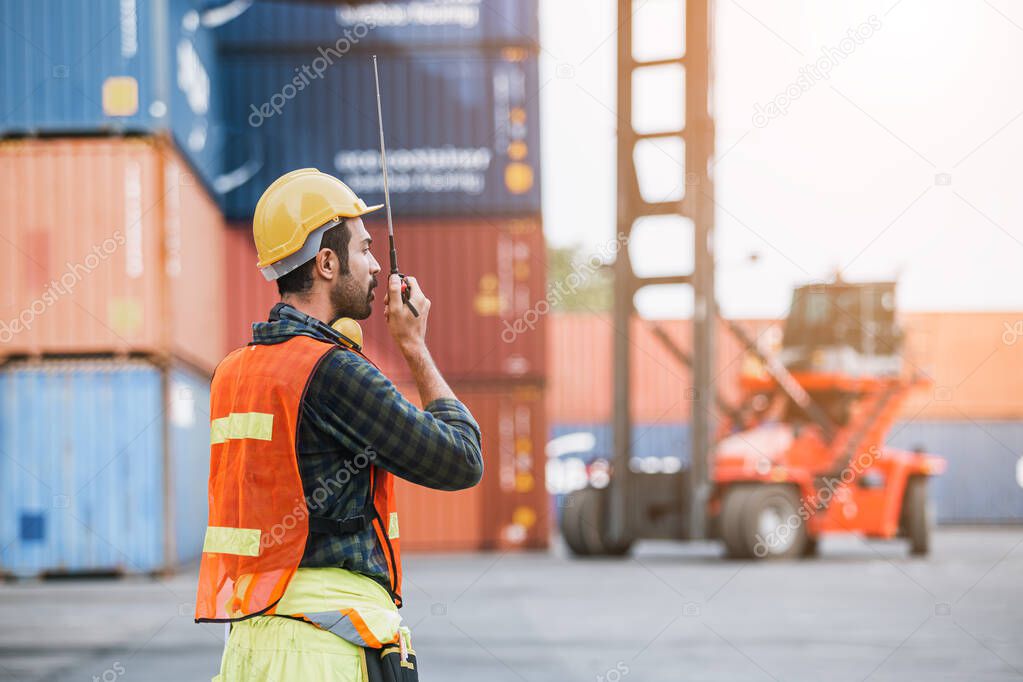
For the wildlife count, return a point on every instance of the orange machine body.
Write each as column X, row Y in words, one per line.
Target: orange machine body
column 848, row 481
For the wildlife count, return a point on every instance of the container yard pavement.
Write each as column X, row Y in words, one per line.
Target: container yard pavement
column 672, row 612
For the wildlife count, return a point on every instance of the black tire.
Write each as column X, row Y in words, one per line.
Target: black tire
column 771, row 526
column 731, row 521
column 917, row 516
column 594, row 503
column 584, row 525
column 572, row 524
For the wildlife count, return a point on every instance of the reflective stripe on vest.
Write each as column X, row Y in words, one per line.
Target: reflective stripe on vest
column 258, row 425
column 240, row 541
column 258, row 516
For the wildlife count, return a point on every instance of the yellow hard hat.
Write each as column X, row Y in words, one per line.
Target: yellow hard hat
column 293, row 214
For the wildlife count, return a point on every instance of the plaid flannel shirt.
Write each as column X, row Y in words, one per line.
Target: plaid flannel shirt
column 351, row 408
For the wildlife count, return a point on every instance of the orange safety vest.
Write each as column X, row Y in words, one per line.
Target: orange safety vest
column 258, row 516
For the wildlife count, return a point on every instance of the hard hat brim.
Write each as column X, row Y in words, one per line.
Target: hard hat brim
column 369, row 209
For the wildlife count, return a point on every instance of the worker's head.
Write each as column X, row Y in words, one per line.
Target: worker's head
column 343, row 270
column 310, row 239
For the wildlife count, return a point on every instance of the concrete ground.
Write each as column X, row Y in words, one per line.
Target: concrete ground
column 670, row 612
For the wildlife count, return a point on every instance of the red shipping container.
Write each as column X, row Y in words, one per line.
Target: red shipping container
column 509, row 508
column 485, row 278
column 248, row 296
column 111, row 246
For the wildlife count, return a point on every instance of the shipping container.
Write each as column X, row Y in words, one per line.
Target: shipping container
column 974, row 361
column 581, row 371
column 413, row 26
column 650, row 440
column 971, row 359
column 248, row 296
column 440, row 521
column 111, row 246
column 106, row 467
column 509, row 508
column 116, row 66
column 984, row 479
column 486, row 282
column 485, row 279
column 461, row 127
column 580, row 453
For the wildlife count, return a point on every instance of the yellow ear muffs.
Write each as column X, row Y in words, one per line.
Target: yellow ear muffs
column 350, row 329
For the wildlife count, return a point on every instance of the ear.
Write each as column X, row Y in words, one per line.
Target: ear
column 327, row 264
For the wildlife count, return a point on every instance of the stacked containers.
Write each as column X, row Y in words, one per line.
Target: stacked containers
column 460, row 127
column 460, row 110
column 114, row 66
column 971, row 415
column 111, row 313
column 417, row 26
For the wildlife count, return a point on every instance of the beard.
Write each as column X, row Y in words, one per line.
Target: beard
column 349, row 299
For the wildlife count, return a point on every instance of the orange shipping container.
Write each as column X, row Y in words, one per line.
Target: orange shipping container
column 581, row 377
column 973, row 359
column 111, row 246
column 509, row 508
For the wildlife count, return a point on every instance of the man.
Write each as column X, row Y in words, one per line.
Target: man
column 302, row 549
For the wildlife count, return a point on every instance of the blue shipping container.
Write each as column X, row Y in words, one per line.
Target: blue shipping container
column 648, row 440
column 87, row 484
column 461, row 128
column 982, row 484
column 984, row 479
column 111, row 66
column 403, row 25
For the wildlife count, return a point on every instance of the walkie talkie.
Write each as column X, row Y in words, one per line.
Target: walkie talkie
column 405, row 290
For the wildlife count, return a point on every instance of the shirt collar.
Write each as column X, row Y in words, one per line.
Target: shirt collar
column 286, row 321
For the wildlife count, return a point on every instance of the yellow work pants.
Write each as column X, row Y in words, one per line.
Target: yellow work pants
column 275, row 649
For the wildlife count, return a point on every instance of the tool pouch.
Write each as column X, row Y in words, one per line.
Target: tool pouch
column 386, row 665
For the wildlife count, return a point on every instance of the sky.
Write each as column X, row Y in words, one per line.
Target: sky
column 895, row 156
